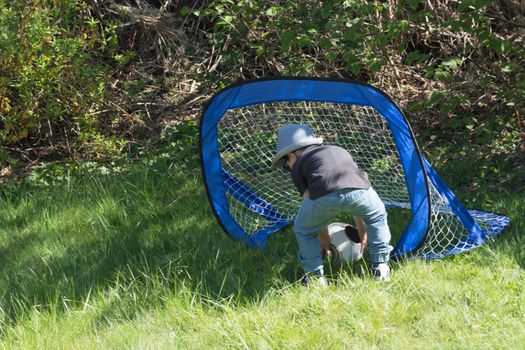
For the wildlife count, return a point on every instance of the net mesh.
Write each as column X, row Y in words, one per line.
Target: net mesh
column 247, row 139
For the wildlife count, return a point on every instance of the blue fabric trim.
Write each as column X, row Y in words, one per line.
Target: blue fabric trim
column 212, row 168
column 496, row 222
column 262, row 235
column 258, row 205
column 245, row 195
column 281, row 90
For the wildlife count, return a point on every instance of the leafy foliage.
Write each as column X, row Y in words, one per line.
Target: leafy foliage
column 457, row 69
column 82, row 79
column 53, row 85
column 175, row 147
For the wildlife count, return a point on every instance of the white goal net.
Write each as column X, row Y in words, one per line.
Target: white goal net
column 247, row 141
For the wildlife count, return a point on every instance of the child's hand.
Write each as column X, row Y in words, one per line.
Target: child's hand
column 324, row 241
column 363, row 236
column 306, row 195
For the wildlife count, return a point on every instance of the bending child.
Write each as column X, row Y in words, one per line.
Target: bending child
column 331, row 182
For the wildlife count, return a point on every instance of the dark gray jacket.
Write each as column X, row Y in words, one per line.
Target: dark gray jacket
column 323, row 169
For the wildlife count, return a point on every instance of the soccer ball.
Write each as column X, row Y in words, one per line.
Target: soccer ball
column 345, row 246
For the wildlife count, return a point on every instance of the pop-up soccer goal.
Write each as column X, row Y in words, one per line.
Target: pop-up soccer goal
column 251, row 201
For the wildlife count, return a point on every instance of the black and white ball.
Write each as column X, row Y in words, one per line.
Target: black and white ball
column 345, row 246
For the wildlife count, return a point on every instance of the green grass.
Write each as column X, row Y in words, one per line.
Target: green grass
column 136, row 260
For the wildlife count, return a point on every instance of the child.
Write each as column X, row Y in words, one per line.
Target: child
column 331, row 182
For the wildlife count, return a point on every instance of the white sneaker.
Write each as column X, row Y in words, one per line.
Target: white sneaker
column 381, row 272
column 314, row 279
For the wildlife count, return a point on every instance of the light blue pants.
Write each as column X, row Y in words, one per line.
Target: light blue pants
column 313, row 215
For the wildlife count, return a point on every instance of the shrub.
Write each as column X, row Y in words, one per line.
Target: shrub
column 53, row 83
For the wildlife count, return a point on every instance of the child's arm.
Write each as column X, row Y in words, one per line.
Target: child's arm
column 361, row 228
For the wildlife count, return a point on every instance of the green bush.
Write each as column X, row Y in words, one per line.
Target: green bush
column 358, row 38
column 456, row 68
column 52, row 84
column 304, row 36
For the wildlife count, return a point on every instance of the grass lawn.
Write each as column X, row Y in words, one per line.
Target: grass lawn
column 136, row 260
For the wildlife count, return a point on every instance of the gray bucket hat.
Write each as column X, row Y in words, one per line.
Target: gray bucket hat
column 290, row 138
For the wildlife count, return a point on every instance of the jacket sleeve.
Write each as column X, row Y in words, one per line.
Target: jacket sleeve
column 298, row 179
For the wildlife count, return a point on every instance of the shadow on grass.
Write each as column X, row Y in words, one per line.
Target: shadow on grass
column 131, row 240
column 125, row 243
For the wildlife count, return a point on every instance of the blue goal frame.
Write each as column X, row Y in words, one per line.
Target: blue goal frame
column 417, row 170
